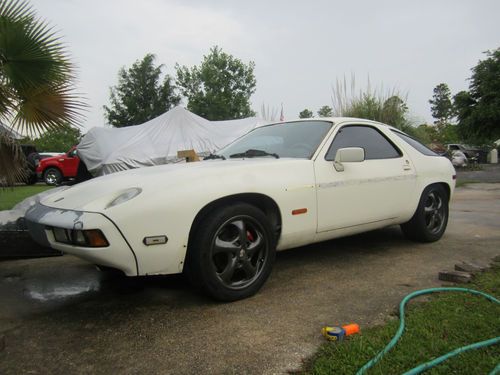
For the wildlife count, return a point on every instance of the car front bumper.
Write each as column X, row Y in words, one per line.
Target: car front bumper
column 41, row 219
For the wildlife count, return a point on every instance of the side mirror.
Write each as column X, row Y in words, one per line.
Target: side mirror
column 348, row 155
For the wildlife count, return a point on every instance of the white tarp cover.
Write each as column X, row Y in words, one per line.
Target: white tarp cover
column 106, row 150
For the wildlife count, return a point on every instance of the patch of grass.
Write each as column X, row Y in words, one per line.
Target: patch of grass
column 9, row 197
column 448, row 321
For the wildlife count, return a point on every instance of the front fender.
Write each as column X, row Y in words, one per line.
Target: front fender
column 171, row 212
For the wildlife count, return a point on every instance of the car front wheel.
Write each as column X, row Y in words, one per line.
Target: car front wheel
column 232, row 252
column 429, row 222
column 52, row 176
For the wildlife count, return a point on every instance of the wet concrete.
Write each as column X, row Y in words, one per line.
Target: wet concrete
column 63, row 316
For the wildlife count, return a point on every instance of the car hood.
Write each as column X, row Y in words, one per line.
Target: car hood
column 97, row 193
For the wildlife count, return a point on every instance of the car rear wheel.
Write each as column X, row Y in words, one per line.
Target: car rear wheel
column 232, row 252
column 429, row 222
column 52, row 176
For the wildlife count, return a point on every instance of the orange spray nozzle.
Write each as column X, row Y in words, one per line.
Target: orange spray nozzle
column 351, row 329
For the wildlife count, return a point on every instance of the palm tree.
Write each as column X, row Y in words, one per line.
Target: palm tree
column 36, row 81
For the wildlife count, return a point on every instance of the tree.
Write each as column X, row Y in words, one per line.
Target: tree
column 139, row 95
column 220, row 88
column 306, row 113
column 478, row 110
column 56, row 140
column 426, row 133
column 431, row 134
column 325, row 111
column 370, row 104
column 36, row 82
column 441, row 105
column 394, row 112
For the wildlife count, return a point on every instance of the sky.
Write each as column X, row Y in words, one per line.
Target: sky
column 300, row 48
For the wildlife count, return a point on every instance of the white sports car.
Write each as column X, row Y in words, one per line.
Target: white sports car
column 279, row 186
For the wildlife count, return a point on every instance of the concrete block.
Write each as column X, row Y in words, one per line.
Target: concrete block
column 469, row 267
column 455, row 276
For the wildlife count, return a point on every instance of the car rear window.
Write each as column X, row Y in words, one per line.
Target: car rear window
column 415, row 144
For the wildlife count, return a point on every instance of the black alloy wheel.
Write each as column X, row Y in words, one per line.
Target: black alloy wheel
column 232, row 252
column 429, row 222
column 434, row 212
column 239, row 252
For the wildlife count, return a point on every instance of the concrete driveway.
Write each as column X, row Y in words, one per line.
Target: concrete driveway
column 61, row 316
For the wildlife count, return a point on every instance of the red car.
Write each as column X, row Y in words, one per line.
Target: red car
column 58, row 168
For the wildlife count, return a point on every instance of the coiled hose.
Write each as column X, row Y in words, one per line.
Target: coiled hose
column 427, row 365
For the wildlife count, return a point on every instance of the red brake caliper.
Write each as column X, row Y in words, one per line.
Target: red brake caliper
column 250, row 236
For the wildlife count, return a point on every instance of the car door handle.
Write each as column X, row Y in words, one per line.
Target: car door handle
column 406, row 166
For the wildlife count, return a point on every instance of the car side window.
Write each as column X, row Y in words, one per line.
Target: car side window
column 375, row 144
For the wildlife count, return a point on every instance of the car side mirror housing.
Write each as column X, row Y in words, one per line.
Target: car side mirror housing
column 348, row 155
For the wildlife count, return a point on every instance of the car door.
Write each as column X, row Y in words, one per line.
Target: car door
column 70, row 163
column 376, row 189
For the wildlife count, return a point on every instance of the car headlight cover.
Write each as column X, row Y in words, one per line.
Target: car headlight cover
column 124, row 197
column 82, row 238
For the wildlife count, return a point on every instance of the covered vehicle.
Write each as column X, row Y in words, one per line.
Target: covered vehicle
column 458, row 158
column 106, row 150
column 279, row 186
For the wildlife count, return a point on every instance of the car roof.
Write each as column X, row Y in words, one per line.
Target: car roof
column 336, row 121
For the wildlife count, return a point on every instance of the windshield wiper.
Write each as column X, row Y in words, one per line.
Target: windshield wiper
column 214, row 156
column 254, row 154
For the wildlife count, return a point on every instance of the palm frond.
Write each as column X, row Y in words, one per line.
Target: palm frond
column 12, row 161
column 36, row 75
column 17, row 10
column 31, row 53
column 6, row 103
column 46, row 108
column 36, row 92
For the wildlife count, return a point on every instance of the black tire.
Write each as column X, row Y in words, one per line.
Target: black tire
column 52, row 176
column 31, row 162
column 429, row 222
column 31, row 179
column 232, row 252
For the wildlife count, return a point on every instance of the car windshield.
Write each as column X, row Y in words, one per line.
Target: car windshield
column 298, row 139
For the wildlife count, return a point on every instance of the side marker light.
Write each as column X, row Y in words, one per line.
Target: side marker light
column 154, row 240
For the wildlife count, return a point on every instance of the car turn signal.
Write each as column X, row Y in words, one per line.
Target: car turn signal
column 95, row 238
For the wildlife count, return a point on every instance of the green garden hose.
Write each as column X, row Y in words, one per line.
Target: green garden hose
column 427, row 365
